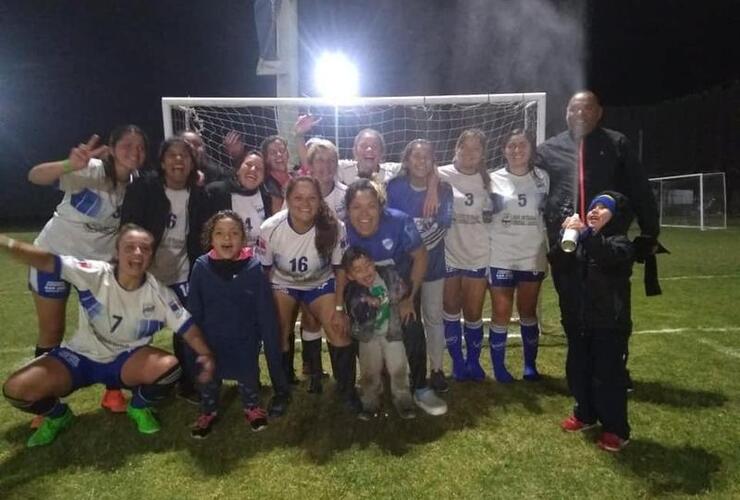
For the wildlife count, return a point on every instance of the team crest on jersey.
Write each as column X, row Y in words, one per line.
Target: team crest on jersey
column 147, row 310
column 387, row 243
column 176, row 308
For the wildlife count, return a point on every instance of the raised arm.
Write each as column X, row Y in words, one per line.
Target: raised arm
column 28, row 254
column 48, row 173
column 301, row 128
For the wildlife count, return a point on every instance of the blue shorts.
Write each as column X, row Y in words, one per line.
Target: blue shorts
column 48, row 285
column 85, row 371
column 307, row 296
column 480, row 273
column 508, row 278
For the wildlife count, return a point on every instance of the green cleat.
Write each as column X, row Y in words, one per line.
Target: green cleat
column 144, row 419
column 49, row 429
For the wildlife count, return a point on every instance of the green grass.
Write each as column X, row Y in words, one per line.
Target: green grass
column 495, row 442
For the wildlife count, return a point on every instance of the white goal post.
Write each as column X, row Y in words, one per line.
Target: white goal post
column 692, row 200
column 439, row 119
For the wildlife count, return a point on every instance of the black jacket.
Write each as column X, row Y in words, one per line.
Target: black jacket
column 147, row 205
column 601, row 268
column 609, row 164
column 219, row 194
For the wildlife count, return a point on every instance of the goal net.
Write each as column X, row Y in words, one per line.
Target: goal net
column 439, row 119
column 693, row 200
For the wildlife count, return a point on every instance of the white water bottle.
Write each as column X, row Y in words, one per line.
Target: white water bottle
column 569, row 241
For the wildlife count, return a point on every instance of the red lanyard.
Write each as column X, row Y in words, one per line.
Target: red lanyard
column 581, row 184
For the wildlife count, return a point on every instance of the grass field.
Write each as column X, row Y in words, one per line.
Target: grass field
column 496, row 441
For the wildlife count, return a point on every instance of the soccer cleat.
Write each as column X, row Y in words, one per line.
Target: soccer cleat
column 497, row 342
column 611, row 442
column 474, row 370
column 572, row 424
column 428, row 401
column 50, row 428
column 113, row 401
column 406, row 413
column 144, row 418
column 438, row 382
column 36, row 422
column 366, row 415
column 257, row 418
column 279, row 405
column 188, row 395
column 314, row 384
column 203, row 426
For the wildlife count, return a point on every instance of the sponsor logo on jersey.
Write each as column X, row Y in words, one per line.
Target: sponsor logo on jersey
column 84, row 264
column 506, row 220
column 387, row 243
column 147, row 310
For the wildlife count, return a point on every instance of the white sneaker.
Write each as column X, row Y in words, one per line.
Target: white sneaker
column 428, row 401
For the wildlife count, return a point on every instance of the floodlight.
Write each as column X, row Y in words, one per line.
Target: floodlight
column 336, row 76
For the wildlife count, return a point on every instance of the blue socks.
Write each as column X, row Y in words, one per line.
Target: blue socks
column 473, row 341
column 530, row 342
column 453, row 338
column 497, row 340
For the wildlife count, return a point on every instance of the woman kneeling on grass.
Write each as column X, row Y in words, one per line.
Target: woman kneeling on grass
column 231, row 300
column 122, row 306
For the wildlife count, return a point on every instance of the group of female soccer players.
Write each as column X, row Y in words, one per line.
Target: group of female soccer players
column 229, row 265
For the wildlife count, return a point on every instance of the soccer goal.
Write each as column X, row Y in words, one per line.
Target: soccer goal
column 439, row 119
column 692, row 200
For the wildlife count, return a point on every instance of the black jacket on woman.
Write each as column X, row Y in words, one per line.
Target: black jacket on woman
column 219, row 194
column 147, row 205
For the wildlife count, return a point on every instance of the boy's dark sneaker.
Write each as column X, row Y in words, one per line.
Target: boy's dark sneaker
column 203, row 426
column 279, row 405
column 611, row 442
column 257, row 418
column 572, row 424
column 438, row 382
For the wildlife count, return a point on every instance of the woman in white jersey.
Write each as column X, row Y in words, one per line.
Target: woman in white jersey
column 121, row 308
column 173, row 207
column 247, row 195
column 467, row 253
column 518, row 251
column 321, row 162
column 302, row 247
column 84, row 223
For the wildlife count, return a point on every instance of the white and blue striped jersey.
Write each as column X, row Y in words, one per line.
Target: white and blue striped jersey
column 171, row 264
column 517, row 235
column 466, row 241
column 251, row 208
column 293, row 257
column 86, row 220
column 347, row 171
column 335, row 200
column 113, row 320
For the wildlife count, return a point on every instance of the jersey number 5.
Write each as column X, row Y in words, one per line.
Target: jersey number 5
column 522, row 200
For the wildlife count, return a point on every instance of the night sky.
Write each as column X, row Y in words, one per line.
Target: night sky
column 69, row 68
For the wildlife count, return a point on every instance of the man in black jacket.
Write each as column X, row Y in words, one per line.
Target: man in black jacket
column 582, row 161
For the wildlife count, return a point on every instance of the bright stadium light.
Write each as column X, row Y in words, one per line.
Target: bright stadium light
column 336, row 76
